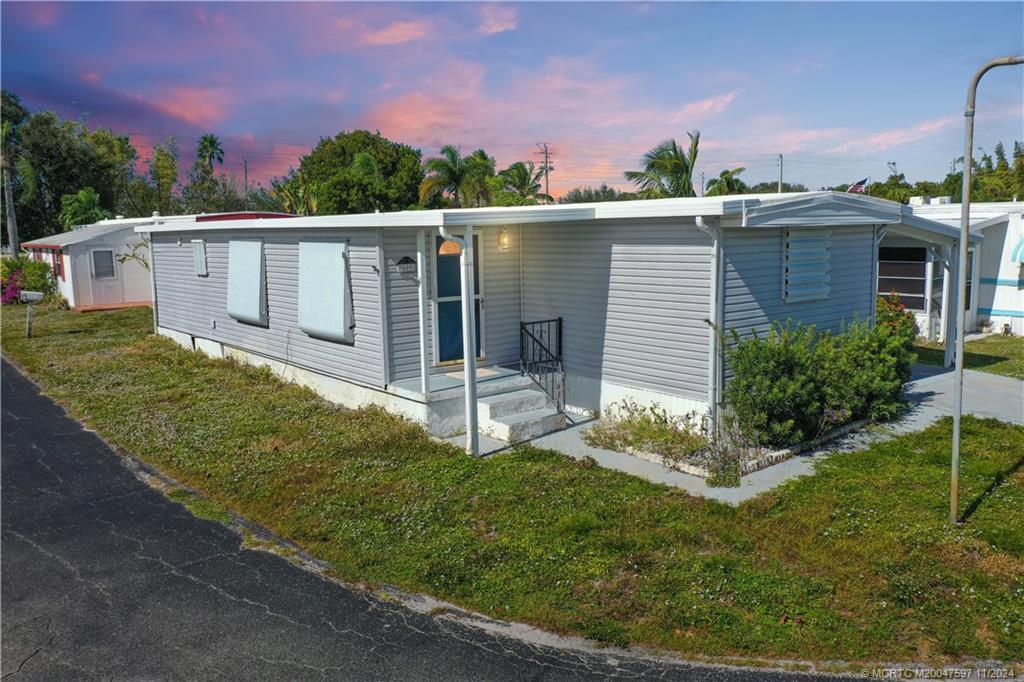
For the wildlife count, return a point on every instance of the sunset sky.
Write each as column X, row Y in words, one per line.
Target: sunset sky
column 840, row 89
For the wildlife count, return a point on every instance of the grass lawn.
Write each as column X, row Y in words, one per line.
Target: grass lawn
column 854, row 563
column 996, row 354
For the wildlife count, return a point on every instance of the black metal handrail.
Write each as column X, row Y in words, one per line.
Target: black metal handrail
column 540, row 357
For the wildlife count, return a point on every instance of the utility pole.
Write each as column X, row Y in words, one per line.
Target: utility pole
column 780, row 173
column 702, row 183
column 245, row 173
column 543, row 147
column 961, row 281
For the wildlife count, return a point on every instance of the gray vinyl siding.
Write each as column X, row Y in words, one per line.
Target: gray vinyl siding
column 403, row 305
column 501, row 297
column 753, row 281
column 633, row 296
column 500, row 274
column 198, row 305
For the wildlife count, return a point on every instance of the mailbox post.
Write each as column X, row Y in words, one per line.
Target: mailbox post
column 30, row 297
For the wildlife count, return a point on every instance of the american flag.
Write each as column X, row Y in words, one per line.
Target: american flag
column 858, row 187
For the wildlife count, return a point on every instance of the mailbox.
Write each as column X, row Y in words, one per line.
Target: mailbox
column 31, row 296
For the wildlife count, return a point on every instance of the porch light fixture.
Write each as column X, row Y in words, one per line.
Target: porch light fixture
column 503, row 239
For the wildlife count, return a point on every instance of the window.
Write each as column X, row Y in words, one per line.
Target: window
column 103, row 264
column 325, row 300
column 903, row 270
column 247, row 282
column 806, row 264
column 199, row 257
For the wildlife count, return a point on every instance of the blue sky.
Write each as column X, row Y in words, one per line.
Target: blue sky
column 839, row 88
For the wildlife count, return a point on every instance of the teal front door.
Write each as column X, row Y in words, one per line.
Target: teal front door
column 448, row 298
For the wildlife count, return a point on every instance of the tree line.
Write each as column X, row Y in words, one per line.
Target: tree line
column 59, row 173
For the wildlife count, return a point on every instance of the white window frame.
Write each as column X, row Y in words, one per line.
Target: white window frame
column 200, row 263
column 478, row 296
column 113, row 263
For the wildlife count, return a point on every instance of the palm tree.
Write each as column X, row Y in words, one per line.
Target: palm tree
column 524, row 180
column 446, row 174
column 81, row 208
column 463, row 179
column 209, row 150
column 727, row 182
column 12, row 159
column 479, row 169
column 668, row 170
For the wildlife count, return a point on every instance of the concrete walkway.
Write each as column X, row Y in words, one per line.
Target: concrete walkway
column 930, row 391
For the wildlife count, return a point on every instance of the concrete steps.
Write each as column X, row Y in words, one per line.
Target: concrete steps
column 519, row 414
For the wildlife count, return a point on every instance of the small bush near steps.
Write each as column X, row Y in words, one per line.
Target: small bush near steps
column 630, row 427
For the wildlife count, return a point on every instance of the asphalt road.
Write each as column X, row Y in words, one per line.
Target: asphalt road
column 105, row 578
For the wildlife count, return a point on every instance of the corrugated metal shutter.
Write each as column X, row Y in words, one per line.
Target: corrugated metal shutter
column 199, row 257
column 247, row 282
column 325, row 301
column 807, row 264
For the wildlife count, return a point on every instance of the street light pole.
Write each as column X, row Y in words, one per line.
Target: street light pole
column 961, row 280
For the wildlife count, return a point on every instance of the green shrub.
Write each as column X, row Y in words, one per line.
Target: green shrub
column 795, row 384
column 22, row 273
column 773, row 391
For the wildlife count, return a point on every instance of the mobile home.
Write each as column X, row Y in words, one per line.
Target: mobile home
column 569, row 308
column 995, row 269
column 99, row 266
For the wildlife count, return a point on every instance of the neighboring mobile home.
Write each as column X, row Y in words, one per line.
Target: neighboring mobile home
column 90, row 267
column 995, row 283
column 571, row 307
column 104, row 266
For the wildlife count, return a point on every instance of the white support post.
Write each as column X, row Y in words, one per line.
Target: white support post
column 929, row 274
column 951, row 299
column 469, row 342
column 421, row 277
column 468, row 333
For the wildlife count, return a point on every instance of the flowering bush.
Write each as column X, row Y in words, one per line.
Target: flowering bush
column 9, row 289
column 21, row 274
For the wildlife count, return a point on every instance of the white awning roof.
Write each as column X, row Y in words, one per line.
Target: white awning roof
column 745, row 210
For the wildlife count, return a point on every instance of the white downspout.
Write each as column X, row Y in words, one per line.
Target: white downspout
column 944, row 304
column 929, row 276
column 715, row 301
column 879, row 236
column 950, row 309
column 468, row 334
column 421, row 276
column 148, row 236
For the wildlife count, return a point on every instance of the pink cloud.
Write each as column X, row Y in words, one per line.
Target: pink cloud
column 705, row 107
column 90, row 77
column 497, row 19
column 886, row 139
column 396, row 33
column 43, row 14
column 198, row 106
column 217, row 20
